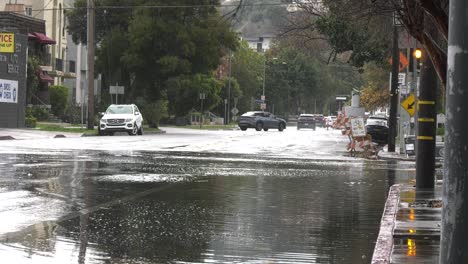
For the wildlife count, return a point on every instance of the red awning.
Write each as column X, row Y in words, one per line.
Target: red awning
column 45, row 78
column 31, row 36
column 43, row 39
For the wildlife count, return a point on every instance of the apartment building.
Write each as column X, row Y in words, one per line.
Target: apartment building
column 53, row 13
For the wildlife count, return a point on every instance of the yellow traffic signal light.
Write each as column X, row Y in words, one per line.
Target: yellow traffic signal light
column 418, row 54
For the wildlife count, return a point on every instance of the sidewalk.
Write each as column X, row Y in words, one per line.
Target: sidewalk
column 410, row 226
column 23, row 134
column 385, row 155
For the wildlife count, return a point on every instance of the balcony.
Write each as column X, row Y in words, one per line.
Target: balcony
column 63, row 68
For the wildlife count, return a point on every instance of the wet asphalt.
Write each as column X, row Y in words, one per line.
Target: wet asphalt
column 192, row 197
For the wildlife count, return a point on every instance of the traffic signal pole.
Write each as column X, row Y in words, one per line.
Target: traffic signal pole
column 392, row 122
column 426, row 126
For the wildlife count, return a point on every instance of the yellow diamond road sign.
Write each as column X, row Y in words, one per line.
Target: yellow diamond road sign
column 409, row 104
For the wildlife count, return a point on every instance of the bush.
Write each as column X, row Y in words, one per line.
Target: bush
column 152, row 112
column 30, row 122
column 58, row 99
column 38, row 112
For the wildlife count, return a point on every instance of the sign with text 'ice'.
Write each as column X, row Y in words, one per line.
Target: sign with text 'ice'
column 8, row 91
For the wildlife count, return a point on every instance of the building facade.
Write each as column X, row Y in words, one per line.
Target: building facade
column 53, row 13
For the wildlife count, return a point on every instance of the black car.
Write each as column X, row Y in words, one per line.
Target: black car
column 377, row 127
column 306, row 121
column 261, row 120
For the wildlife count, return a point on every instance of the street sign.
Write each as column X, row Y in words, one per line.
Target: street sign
column 401, row 78
column 341, row 98
column 358, row 127
column 116, row 89
column 263, row 106
column 409, row 104
column 234, row 111
column 234, row 118
column 263, row 98
column 259, row 101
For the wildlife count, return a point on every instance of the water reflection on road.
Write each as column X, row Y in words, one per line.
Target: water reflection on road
column 144, row 207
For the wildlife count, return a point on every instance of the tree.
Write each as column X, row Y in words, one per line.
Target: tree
column 425, row 20
column 375, row 92
column 247, row 70
column 58, row 99
column 149, row 49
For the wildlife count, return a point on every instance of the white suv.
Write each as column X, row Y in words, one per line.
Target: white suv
column 121, row 118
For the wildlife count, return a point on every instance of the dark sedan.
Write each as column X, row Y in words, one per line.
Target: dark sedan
column 261, row 120
column 306, row 121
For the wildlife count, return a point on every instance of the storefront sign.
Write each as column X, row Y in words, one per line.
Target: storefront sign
column 8, row 91
column 7, row 42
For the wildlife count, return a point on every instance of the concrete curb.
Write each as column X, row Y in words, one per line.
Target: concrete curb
column 394, row 157
column 145, row 133
column 384, row 245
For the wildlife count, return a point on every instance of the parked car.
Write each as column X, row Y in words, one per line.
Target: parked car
column 121, row 118
column 377, row 127
column 319, row 120
column 306, row 121
column 261, row 120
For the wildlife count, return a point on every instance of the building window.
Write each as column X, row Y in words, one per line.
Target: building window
column 28, row 10
column 259, row 47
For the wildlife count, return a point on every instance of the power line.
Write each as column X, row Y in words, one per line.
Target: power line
column 166, row 6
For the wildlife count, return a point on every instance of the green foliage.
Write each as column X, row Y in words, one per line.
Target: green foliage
column 185, row 93
column 38, row 112
column 344, row 36
column 157, row 52
column 153, row 112
column 32, row 81
column 58, row 99
column 30, row 122
column 247, row 69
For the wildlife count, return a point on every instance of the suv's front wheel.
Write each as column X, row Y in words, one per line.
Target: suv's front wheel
column 134, row 130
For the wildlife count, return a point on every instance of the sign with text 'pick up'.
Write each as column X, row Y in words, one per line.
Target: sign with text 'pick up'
column 8, row 91
column 7, row 42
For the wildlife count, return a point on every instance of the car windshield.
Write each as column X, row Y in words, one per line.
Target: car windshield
column 120, row 109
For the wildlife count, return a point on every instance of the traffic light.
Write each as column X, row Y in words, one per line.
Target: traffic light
column 418, row 53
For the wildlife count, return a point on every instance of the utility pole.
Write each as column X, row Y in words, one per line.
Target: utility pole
column 392, row 122
column 426, row 126
column 91, row 35
column 229, row 91
column 454, row 242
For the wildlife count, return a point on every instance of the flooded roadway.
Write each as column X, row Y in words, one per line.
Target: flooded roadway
column 77, row 205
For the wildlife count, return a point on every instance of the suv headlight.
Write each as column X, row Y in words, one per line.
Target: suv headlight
column 128, row 119
column 104, row 121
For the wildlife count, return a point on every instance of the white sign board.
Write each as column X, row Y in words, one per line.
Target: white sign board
column 116, row 89
column 8, row 91
column 351, row 111
column 358, row 127
column 235, row 111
